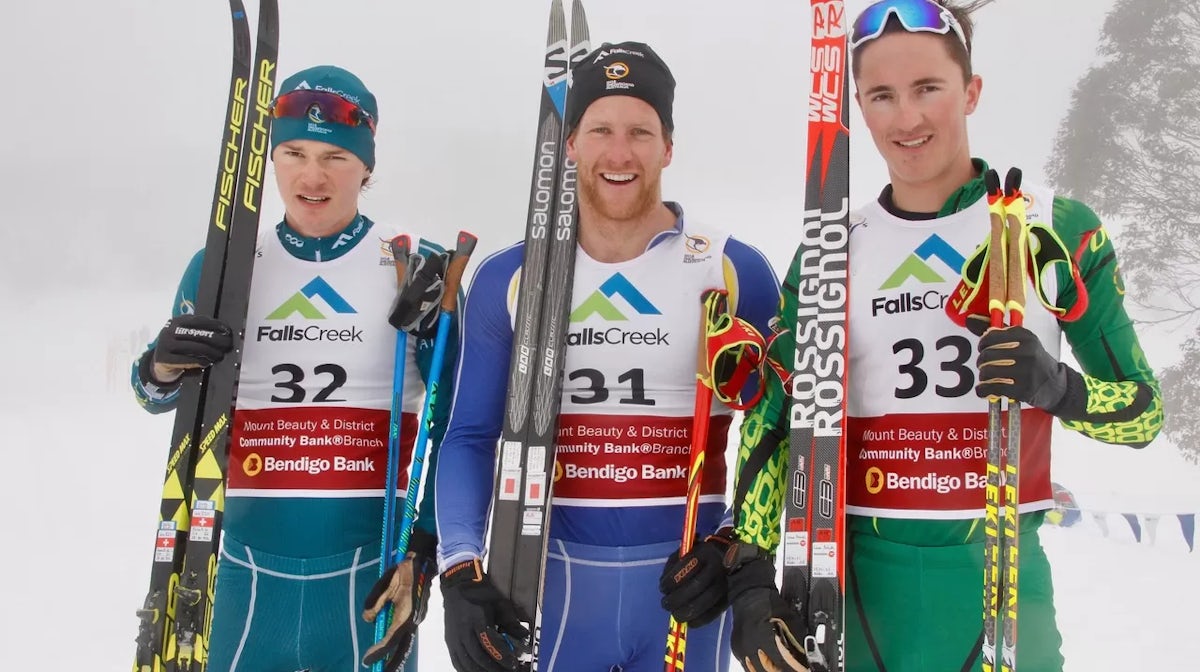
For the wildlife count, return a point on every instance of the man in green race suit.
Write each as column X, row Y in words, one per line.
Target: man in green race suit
column 915, row 423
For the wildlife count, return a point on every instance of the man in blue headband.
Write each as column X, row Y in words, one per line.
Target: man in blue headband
column 300, row 546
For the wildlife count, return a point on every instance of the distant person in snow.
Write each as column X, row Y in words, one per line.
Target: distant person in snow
column 301, row 545
column 1066, row 509
column 914, row 573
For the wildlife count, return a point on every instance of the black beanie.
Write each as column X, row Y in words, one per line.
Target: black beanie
column 625, row 69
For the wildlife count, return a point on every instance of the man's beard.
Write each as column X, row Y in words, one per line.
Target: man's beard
column 643, row 203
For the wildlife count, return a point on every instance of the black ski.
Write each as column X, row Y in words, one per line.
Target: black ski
column 194, row 595
column 156, row 649
column 521, row 500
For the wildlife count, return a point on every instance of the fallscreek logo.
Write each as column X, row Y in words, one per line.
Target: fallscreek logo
column 916, row 267
column 599, row 302
column 300, row 302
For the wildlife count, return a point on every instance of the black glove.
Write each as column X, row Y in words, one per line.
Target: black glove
column 189, row 343
column 768, row 635
column 1013, row 364
column 484, row 632
column 419, row 299
column 694, row 587
column 406, row 587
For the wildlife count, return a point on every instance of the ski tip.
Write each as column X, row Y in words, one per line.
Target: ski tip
column 578, row 16
column 558, row 20
column 581, row 41
column 1012, row 182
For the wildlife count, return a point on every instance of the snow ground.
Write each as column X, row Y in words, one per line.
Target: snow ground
column 85, row 469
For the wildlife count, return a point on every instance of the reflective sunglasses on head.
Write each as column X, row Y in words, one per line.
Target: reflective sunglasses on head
column 915, row 16
column 320, row 107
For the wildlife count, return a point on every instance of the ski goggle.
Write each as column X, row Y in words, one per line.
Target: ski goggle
column 321, row 107
column 915, row 16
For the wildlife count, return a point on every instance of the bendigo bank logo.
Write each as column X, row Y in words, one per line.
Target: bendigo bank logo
column 600, row 306
column 874, row 480
column 301, row 304
column 919, row 269
column 253, row 464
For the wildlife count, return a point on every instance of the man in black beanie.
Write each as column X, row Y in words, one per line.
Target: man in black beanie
column 626, row 69
column 628, row 397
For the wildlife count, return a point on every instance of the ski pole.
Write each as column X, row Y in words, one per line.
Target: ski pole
column 997, row 290
column 400, row 246
column 715, row 305
column 1014, row 209
column 1006, row 304
column 454, row 273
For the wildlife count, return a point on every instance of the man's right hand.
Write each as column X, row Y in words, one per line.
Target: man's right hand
column 484, row 631
column 189, row 343
column 768, row 634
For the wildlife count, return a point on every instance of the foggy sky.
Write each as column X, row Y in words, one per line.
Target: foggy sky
column 114, row 122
